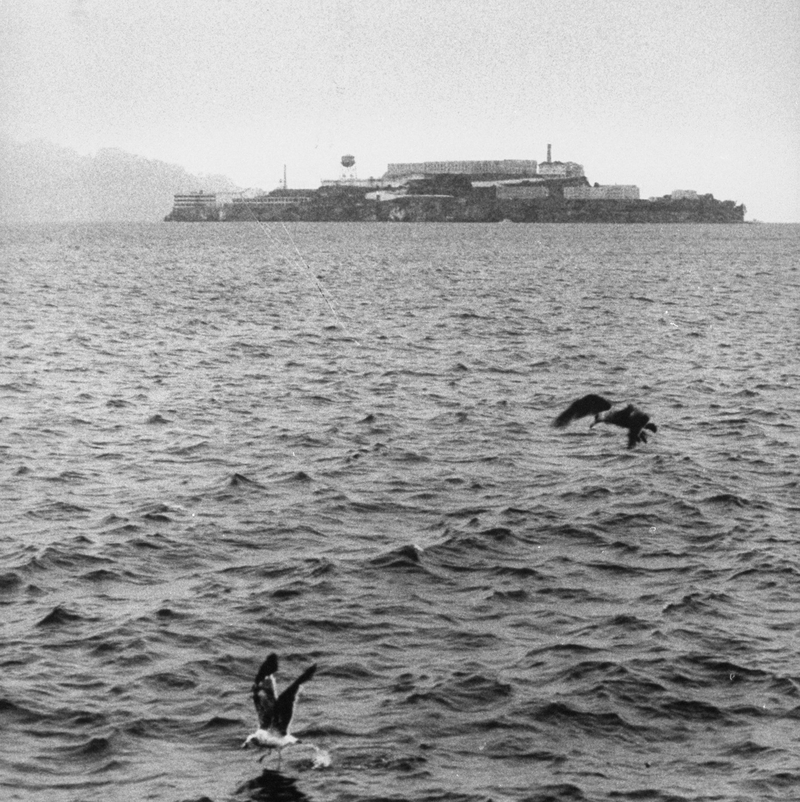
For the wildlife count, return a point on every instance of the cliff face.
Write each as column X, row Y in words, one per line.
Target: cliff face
column 662, row 210
column 198, row 214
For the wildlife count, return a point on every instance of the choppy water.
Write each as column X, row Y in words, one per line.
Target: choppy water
column 205, row 455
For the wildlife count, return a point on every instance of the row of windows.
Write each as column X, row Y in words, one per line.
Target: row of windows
column 512, row 166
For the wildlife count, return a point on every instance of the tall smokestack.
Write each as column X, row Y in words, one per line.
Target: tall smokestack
column 548, row 154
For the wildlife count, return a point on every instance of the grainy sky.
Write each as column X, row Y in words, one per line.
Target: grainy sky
column 665, row 94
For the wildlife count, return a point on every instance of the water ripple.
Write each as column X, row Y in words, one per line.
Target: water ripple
column 201, row 466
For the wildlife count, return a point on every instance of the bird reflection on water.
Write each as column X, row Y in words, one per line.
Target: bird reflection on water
column 272, row 786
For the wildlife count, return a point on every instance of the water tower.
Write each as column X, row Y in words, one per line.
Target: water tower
column 348, row 167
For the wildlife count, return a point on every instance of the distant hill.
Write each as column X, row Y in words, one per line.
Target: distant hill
column 43, row 182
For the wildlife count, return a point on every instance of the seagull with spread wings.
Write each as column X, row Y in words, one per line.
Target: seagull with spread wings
column 274, row 711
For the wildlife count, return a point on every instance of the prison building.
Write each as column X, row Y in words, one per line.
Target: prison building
column 522, row 168
column 194, row 200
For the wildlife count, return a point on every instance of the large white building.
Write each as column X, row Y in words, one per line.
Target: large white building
column 194, row 200
column 521, row 168
column 560, row 170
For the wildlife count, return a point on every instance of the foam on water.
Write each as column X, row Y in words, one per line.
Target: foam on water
column 200, row 465
column 322, row 759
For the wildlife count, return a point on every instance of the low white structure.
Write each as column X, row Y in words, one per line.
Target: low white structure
column 364, row 183
column 521, row 192
column 607, row 192
column 271, row 200
column 684, row 194
column 384, row 195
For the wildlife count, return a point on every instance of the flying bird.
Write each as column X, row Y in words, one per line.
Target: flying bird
column 274, row 712
column 630, row 417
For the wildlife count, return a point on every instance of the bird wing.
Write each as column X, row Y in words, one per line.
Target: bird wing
column 265, row 693
column 588, row 405
column 284, row 707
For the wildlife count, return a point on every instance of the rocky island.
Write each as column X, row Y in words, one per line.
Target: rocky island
column 517, row 191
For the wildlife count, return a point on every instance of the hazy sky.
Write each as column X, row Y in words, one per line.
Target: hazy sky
column 665, row 94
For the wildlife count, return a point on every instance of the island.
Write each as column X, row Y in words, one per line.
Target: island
column 517, row 191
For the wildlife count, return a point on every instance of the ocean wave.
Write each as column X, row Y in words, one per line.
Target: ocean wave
column 497, row 609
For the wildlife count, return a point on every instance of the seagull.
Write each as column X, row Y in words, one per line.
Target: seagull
column 630, row 417
column 274, row 712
